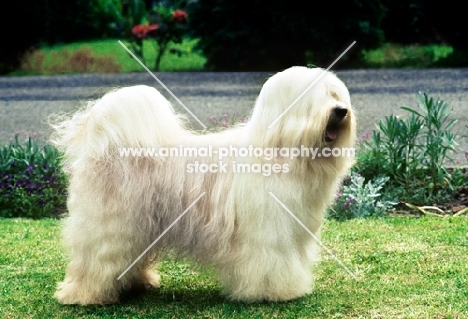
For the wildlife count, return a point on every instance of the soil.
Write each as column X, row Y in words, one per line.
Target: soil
column 458, row 205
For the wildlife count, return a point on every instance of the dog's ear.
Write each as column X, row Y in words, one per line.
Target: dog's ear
column 339, row 93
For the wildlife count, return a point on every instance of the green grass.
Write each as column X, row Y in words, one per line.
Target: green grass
column 102, row 56
column 400, row 56
column 190, row 60
column 407, row 268
column 57, row 59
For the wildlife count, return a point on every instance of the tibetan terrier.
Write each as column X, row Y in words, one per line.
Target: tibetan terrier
column 205, row 197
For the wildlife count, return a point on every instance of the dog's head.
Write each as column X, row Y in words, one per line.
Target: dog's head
column 303, row 107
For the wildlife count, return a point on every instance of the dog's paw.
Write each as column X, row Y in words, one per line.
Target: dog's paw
column 153, row 280
column 149, row 280
column 69, row 293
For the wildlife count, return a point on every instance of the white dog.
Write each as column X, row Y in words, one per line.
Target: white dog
column 118, row 205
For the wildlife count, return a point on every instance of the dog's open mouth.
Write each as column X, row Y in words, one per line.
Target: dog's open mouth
column 335, row 122
column 331, row 135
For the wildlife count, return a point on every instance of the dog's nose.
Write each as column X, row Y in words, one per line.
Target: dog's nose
column 340, row 112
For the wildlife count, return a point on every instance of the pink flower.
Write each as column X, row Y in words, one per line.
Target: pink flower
column 179, row 16
column 364, row 137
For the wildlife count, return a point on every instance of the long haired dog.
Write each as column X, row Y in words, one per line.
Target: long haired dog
column 119, row 204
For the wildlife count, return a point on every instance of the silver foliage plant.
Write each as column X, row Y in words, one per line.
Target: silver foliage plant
column 358, row 199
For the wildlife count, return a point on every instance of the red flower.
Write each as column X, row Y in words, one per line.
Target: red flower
column 141, row 31
column 152, row 28
column 179, row 16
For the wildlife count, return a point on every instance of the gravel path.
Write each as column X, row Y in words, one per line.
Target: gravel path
column 26, row 102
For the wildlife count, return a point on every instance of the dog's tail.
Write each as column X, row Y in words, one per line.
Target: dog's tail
column 132, row 117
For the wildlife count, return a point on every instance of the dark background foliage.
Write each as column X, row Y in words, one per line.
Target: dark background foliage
column 424, row 22
column 246, row 34
column 28, row 23
column 261, row 35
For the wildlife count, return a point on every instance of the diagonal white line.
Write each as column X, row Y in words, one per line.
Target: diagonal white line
column 313, row 83
column 315, row 237
column 159, row 237
column 162, row 84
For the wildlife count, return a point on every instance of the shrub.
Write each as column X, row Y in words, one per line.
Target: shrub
column 437, row 138
column 412, row 152
column 268, row 35
column 358, row 199
column 163, row 25
column 391, row 149
column 31, row 182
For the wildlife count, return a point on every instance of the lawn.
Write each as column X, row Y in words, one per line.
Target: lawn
column 407, row 267
column 103, row 56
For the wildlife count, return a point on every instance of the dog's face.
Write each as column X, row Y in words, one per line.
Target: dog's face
column 302, row 106
column 339, row 130
column 336, row 123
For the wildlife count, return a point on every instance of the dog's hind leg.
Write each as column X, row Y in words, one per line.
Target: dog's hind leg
column 102, row 246
column 91, row 276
